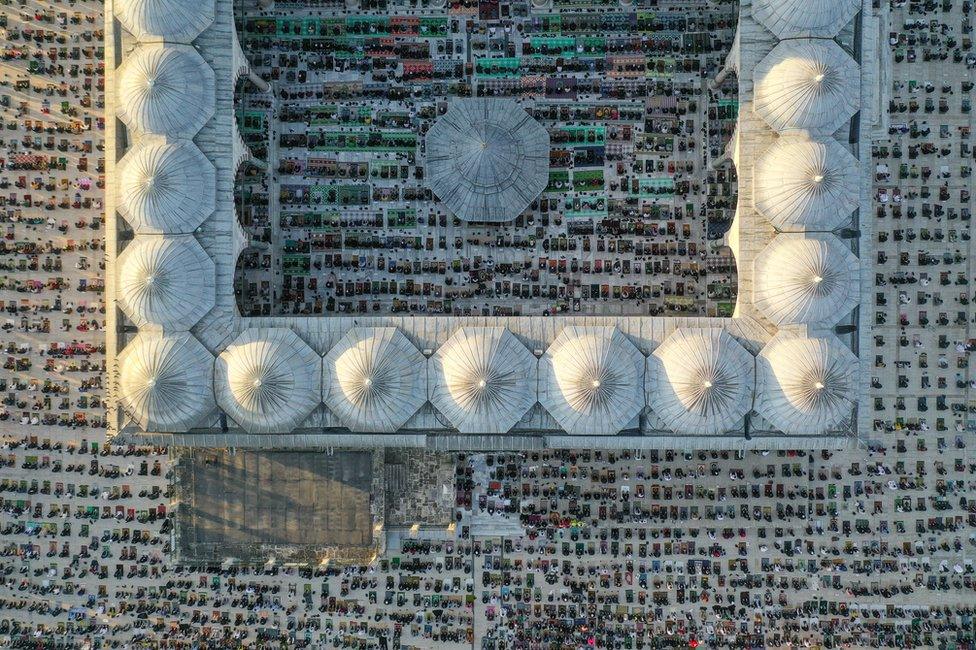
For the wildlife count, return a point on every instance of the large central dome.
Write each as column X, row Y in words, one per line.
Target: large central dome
column 487, row 159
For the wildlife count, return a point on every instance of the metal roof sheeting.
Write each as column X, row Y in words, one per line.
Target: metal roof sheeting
column 808, row 279
column 166, row 381
column 700, row 381
column 374, row 379
column 807, row 84
column 483, row 380
column 591, row 380
column 167, row 282
column 268, row 380
column 805, row 385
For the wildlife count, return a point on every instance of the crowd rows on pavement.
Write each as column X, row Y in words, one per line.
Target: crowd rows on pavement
column 868, row 546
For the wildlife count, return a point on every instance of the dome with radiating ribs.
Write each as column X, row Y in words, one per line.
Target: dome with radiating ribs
column 374, row 379
column 806, row 385
column 591, row 380
column 487, row 159
column 166, row 382
column 483, row 380
column 268, row 380
column 807, row 84
column 165, row 187
column 166, row 281
column 808, row 279
column 166, row 90
column 173, row 21
column 804, row 185
column 804, row 18
column 700, row 381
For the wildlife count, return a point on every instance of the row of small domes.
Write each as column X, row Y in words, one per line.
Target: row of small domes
column 591, row 380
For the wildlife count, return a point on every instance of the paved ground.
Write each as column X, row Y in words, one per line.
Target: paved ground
column 244, row 504
column 868, row 547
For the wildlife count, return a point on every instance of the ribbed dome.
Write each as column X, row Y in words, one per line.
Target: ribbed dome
column 166, row 382
column 807, row 84
column 804, row 18
column 174, row 21
column 591, row 380
column 806, row 385
column 810, row 279
column 166, row 281
column 483, row 380
column 805, row 185
column 373, row 379
column 701, row 381
column 487, row 159
column 166, row 89
column 166, row 187
column 268, row 380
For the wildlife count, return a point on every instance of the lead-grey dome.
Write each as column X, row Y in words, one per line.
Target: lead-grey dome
column 173, row 21
column 805, row 385
column 165, row 187
column 487, row 159
column 483, row 380
column 165, row 89
column 374, row 379
column 591, row 380
column 166, row 282
column 166, row 382
column 804, row 18
column 700, row 381
column 805, row 279
column 807, row 84
column 806, row 185
column 268, row 380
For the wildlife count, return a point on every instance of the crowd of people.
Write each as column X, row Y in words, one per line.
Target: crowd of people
column 870, row 545
column 632, row 219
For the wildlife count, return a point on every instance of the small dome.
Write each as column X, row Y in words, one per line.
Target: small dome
column 166, row 187
column 166, row 382
column 173, row 21
column 268, row 380
column 591, row 380
column 166, row 90
column 701, row 381
column 371, row 379
column 483, row 380
column 804, row 18
column 806, row 385
column 166, row 281
column 806, row 185
column 807, row 84
column 809, row 279
column 487, row 159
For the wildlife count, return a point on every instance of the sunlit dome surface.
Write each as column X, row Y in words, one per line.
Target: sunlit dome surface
column 806, row 385
column 166, row 90
column 487, row 159
column 165, row 281
column 268, row 380
column 166, row 187
column 806, row 185
column 804, row 18
column 374, row 379
column 809, row 279
column 591, row 380
column 174, row 21
column 701, row 381
column 166, row 382
column 483, row 379
column 807, row 84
